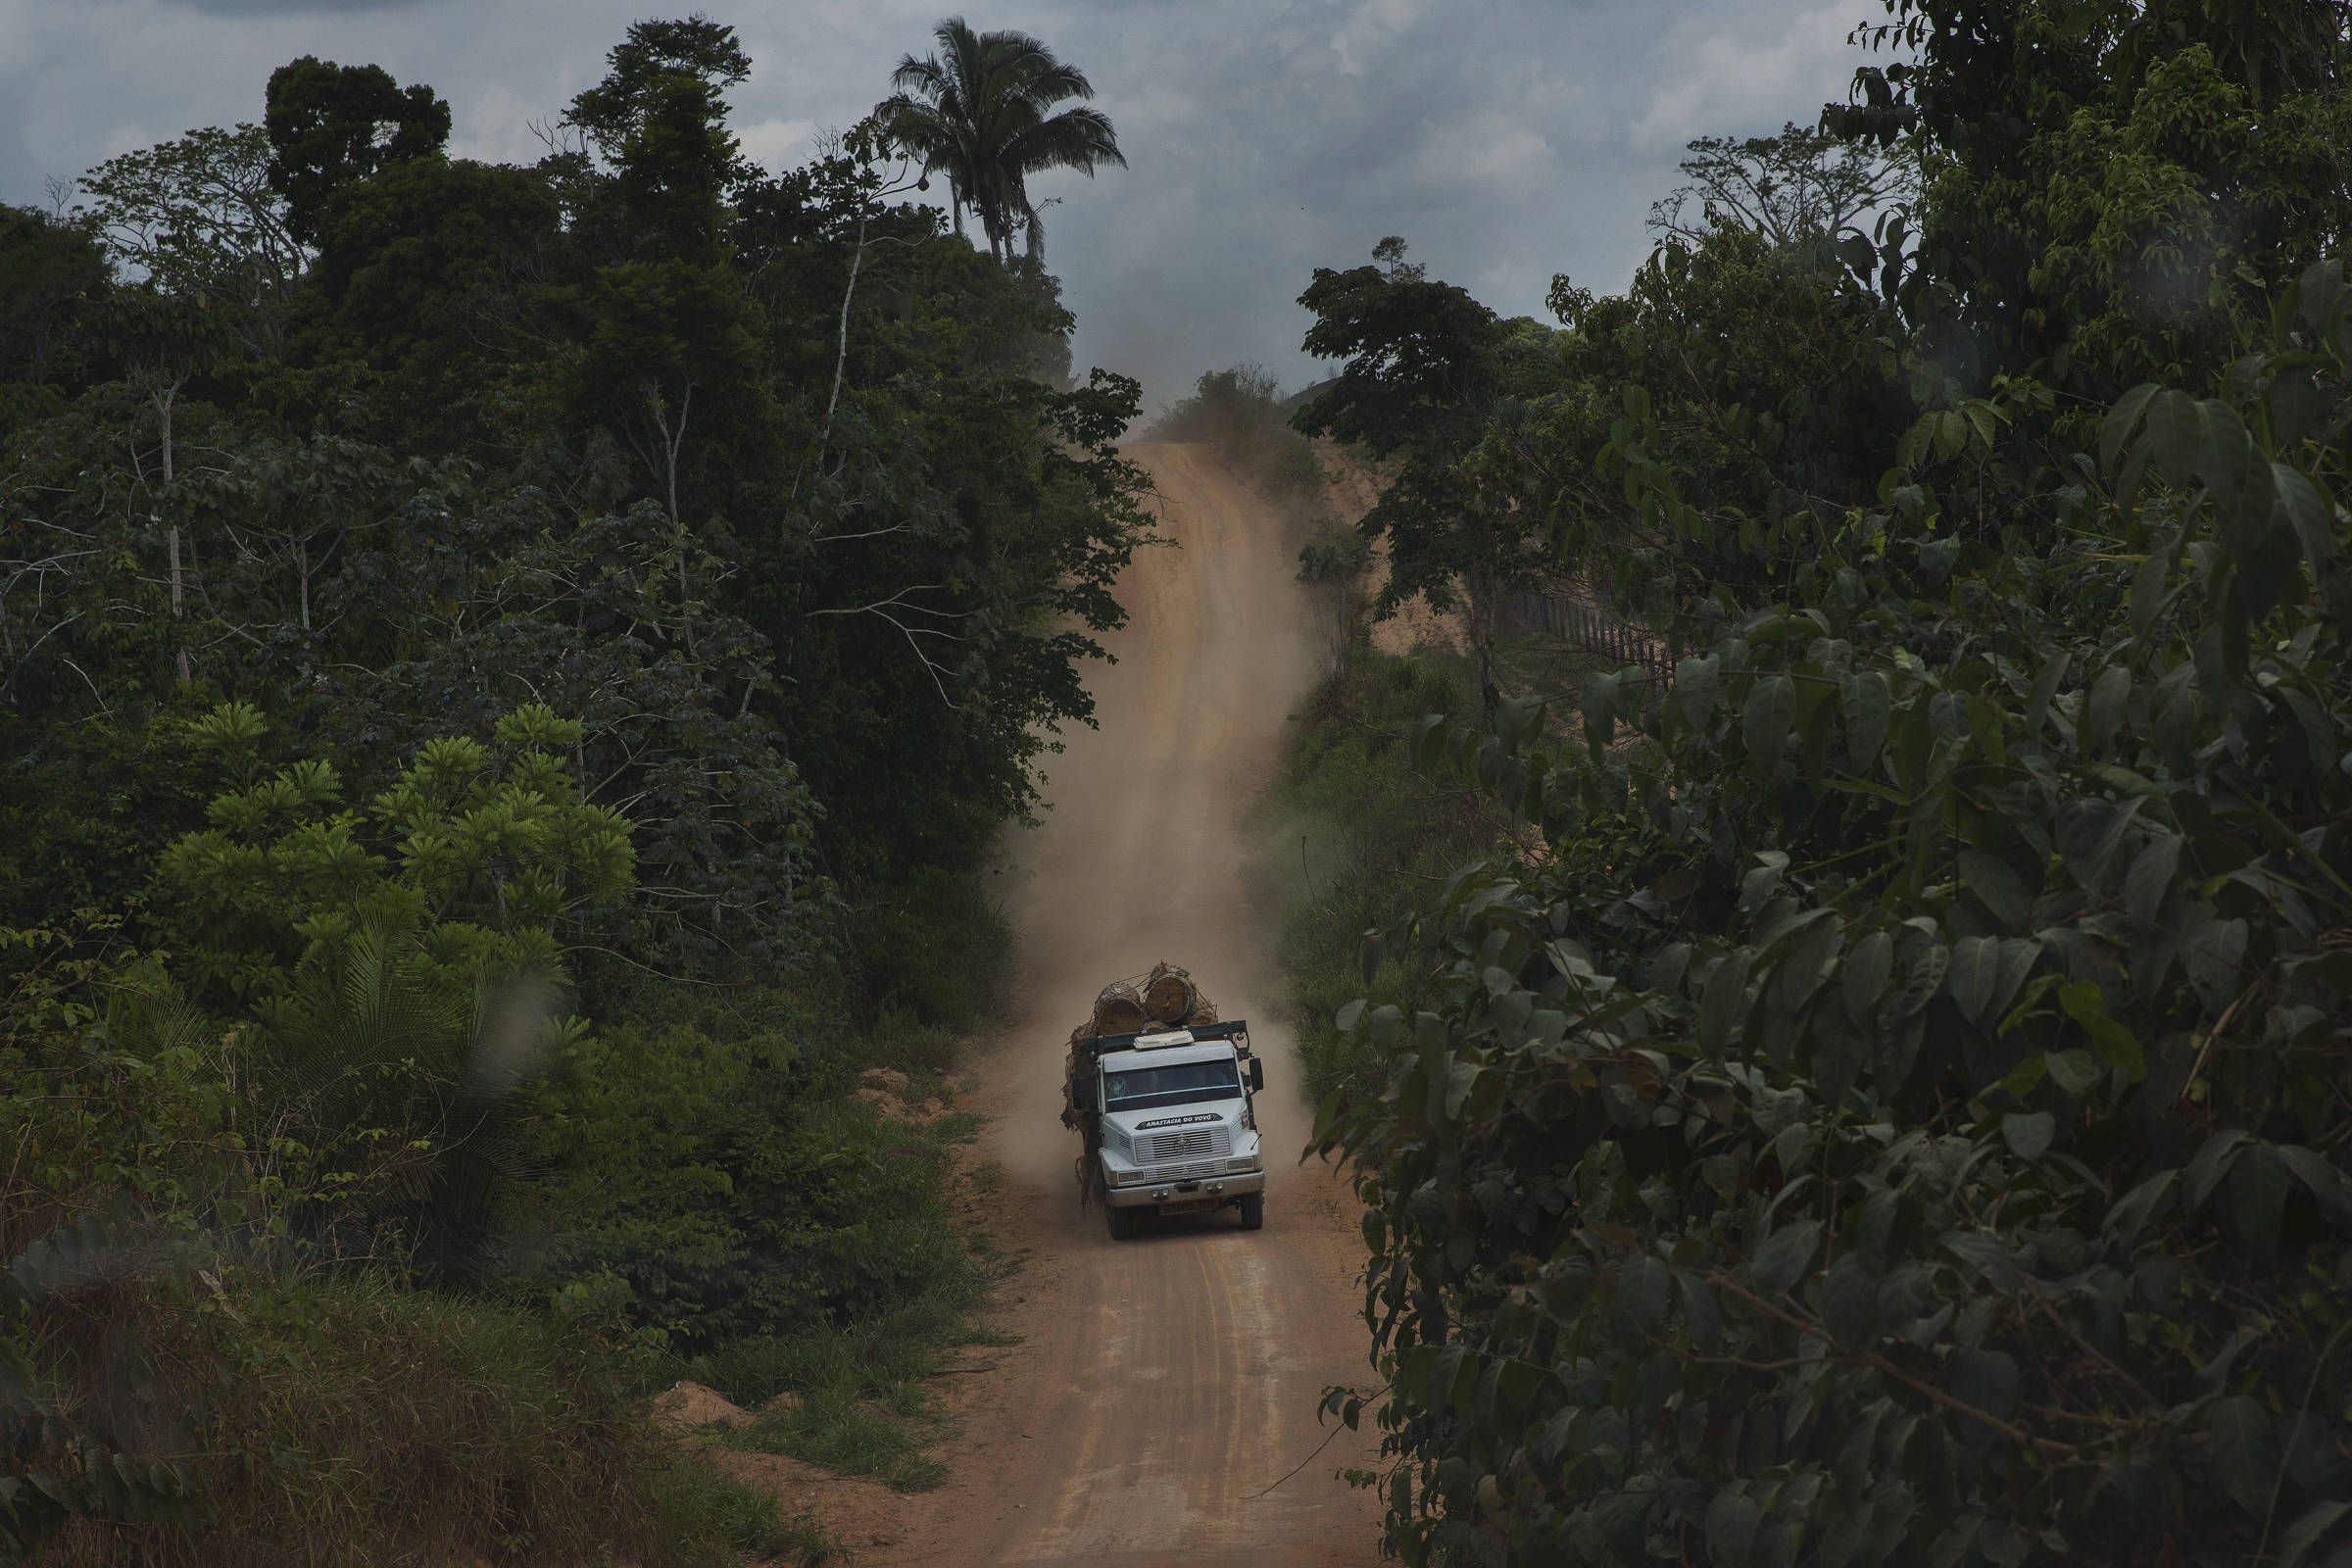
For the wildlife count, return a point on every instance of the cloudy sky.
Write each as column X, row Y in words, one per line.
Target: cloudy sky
column 1506, row 140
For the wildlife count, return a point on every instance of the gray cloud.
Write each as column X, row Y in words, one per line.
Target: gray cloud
column 277, row 7
column 1506, row 140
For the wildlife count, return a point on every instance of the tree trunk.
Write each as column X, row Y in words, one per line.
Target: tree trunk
column 165, row 397
column 1481, row 587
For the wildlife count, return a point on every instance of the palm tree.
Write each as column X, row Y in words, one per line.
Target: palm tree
column 979, row 113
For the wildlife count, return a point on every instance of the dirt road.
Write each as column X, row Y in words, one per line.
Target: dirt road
column 1163, row 1384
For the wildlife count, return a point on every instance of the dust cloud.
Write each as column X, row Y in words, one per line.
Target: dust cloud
column 1143, row 853
column 1154, row 1400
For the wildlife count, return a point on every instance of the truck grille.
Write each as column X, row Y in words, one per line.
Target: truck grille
column 1193, row 1142
column 1187, row 1173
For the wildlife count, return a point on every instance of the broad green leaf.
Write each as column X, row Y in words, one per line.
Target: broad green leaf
column 1461, row 1079
column 2174, row 435
column 2088, row 833
column 2103, row 711
column 1849, row 1302
column 1779, row 1262
column 1430, row 734
column 2327, row 1185
column 2026, row 1077
column 1975, row 971
column 2237, row 475
column 2121, row 420
column 1643, row 1287
column 2149, row 582
column 1697, row 682
column 2307, row 514
column 1719, row 1007
column 1764, row 723
column 2245, row 1452
column 1867, row 970
column 2075, row 1071
column 1983, row 1252
column 1866, row 718
column 1518, row 718
column 2038, row 699
column 1995, row 885
column 1924, row 979
column 1733, row 1519
column 2115, row 1042
column 2019, row 955
column 2211, row 1164
column 2029, row 1133
column 1600, row 707
column 2150, row 877
column 1699, row 1312
column 2141, row 1204
column 2310, row 1527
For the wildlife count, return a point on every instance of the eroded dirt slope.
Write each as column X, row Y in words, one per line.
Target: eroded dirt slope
column 1163, row 1384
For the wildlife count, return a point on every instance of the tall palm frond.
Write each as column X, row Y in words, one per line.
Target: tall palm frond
column 977, row 112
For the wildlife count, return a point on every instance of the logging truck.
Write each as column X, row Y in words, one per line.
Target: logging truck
column 1164, row 1105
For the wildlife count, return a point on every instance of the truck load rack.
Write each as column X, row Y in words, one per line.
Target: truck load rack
column 1092, row 1047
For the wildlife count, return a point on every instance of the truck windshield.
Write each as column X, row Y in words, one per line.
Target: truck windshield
column 1143, row 1087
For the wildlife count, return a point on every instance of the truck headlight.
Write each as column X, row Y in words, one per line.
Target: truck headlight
column 1125, row 1178
column 1243, row 1162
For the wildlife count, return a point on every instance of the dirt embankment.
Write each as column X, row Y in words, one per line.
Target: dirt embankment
column 1164, row 1388
column 1353, row 488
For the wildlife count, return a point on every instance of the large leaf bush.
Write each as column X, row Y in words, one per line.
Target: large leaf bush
column 1903, row 1116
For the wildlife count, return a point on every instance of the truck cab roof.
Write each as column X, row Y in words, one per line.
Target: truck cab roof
column 1175, row 1048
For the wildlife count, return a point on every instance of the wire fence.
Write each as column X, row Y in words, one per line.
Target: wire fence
column 1581, row 621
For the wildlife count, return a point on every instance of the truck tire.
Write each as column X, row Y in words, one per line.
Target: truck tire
column 1120, row 1220
column 1254, row 1211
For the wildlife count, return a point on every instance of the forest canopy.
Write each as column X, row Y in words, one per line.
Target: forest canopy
column 509, row 678
column 1888, row 1103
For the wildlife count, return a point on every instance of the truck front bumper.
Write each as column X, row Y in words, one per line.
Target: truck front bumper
column 1205, row 1191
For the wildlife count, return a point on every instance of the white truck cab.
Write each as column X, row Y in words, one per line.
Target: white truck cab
column 1179, row 1133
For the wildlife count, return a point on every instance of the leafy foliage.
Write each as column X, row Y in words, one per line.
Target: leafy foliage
column 2115, row 191
column 449, row 613
column 1426, row 365
column 475, row 857
column 1803, row 184
column 1238, row 410
column 1909, row 1119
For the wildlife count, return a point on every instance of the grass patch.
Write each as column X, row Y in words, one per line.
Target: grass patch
column 695, row 1495
column 355, row 1420
column 860, row 1401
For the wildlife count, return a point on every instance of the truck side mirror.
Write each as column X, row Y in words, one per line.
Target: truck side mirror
column 1081, row 1091
column 1257, row 1075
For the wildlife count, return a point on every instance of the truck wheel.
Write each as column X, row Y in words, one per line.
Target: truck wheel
column 1254, row 1211
column 1120, row 1220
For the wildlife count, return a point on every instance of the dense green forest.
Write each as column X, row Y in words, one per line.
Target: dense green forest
column 510, row 677
column 1890, row 1099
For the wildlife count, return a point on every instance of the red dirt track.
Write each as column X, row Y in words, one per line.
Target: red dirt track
column 1163, row 1383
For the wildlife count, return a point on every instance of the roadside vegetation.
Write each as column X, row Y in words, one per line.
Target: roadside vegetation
column 472, row 952
column 1240, row 411
column 1353, row 833
column 1902, row 1116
